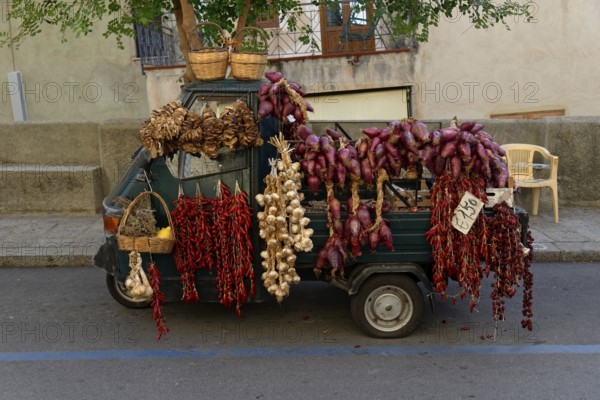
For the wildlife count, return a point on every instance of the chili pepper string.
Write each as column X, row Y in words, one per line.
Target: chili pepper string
column 223, row 248
column 509, row 263
column 528, row 286
column 157, row 298
column 456, row 256
column 183, row 219
column 242, row 218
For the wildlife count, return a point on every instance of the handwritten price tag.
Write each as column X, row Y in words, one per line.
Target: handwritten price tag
column 466, row 213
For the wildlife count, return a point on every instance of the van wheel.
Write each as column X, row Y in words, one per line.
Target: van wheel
column 119, row 293
column 388, row 306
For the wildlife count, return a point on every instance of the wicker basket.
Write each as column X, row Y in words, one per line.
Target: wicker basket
column 145, row 244
column 247, row 65
column 209, row 63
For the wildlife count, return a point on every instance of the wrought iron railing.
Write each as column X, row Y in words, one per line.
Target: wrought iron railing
column 158, row 44
column 355, row 36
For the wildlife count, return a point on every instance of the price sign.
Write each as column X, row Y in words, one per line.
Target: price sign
column 466, row 213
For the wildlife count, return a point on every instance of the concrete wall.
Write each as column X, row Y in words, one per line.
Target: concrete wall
column 86, row 79
column 109, row 145
column 318, row 75
column 548, row 63
column 575, row 140
column 163, row 85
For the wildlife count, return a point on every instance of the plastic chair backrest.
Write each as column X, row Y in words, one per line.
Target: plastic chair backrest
column 520, row 158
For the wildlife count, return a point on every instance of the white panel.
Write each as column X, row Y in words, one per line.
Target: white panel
column 14, row 89
column 369, row 105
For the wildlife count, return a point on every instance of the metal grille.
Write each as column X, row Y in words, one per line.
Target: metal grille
column 158, row 43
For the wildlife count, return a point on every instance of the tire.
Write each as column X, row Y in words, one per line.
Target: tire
column 388, row 306
column 117, row 291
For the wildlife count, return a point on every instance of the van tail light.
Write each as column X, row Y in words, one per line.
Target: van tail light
column 111, row 224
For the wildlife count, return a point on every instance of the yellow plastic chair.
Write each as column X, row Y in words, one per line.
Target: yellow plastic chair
column 521, row 166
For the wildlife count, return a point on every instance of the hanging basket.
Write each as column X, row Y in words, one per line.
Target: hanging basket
column 247, row 65
column 209, row 63
column 145, row 244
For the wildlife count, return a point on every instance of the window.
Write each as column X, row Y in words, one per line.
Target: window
column 530, row 114
column 345, row 28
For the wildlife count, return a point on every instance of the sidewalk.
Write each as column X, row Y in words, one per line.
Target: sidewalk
column 58, row 241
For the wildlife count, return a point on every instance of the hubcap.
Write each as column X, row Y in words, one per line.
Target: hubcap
column 388, row 308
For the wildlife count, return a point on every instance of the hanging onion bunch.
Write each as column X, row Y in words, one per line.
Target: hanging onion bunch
column 160, row 132
column 283, row 100
column 212, row 128
column 190, row 136
column 282, row 223
column 249, row 135
column 331, row 159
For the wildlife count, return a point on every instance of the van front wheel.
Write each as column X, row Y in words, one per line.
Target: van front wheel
column 119, row 293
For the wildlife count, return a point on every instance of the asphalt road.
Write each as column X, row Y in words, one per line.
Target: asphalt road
column 64, row 337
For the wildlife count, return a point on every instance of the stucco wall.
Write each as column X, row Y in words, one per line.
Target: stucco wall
column 319, row 75
column 548, row 63
column 85, row 79
column 576, row 141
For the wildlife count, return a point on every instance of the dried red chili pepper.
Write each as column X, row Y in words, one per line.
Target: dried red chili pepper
column 233, row 247
column 456, row 255
column 157, row 299
column 510, row 263
column 193, row 248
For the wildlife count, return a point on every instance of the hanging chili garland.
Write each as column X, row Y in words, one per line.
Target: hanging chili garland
column 157, row 298
column 457, row 255
column 191, row 219
column 510, row 263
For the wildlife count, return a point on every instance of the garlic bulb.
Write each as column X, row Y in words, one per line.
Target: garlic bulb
column 282, row 223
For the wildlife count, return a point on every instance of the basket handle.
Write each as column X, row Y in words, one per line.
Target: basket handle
column 237, row 40
column 221, row 32
column 136, row 200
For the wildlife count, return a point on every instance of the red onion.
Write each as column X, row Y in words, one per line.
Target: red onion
column 313, row 183
column 354, row 168
column 385, row 134
column 353, row 225
column 364, row 216
column 409, row 142
column 467, row 125
column 265, row 108
column 385, row 237
column 371, row 132
column 300, row 149
column 335, row 208
column 373, row 240
column 420, row 132
column 312, row 142
column 333, row 134
column 341, row 173
column 343, row 155
column 274, row 76
column 449, row 133
column 367, row 171
column 455, row 165
column 448, row 149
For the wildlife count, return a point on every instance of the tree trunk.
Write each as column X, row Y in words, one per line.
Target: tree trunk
column 241, row 23
column 186, row 22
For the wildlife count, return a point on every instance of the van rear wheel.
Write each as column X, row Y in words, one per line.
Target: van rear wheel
column 388, row 306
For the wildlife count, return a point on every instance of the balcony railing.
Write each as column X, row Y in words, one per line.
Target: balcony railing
column 340, row 35
column 355, row 35
column 158, row 43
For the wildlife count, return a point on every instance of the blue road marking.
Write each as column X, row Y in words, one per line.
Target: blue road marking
column 215, row 353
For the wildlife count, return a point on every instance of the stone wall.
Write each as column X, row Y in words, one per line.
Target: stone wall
column 110, row 144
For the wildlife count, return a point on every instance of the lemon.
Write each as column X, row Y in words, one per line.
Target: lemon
column 165, row 233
